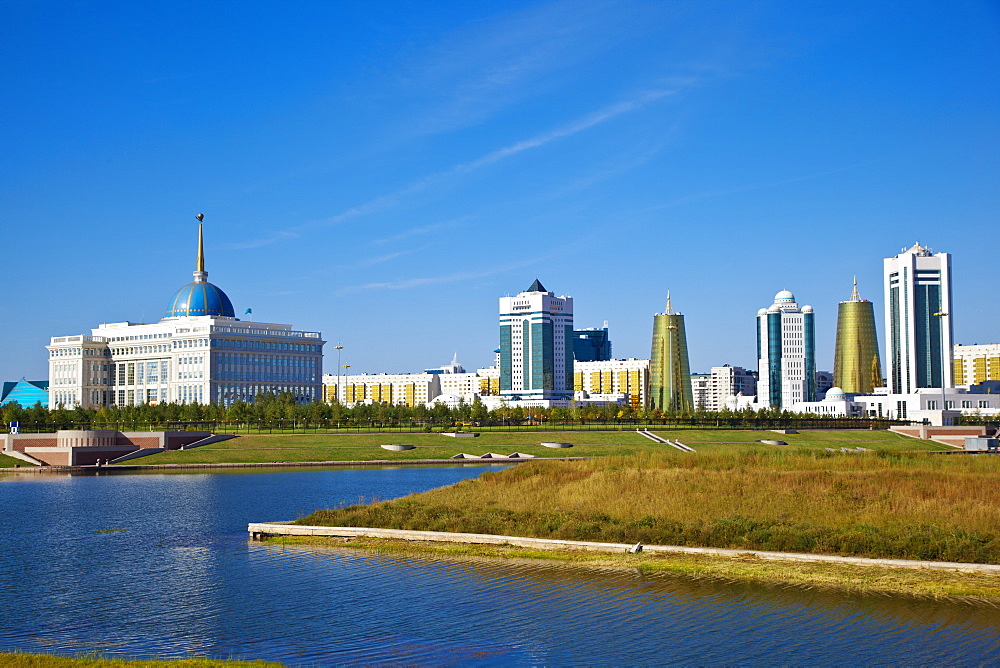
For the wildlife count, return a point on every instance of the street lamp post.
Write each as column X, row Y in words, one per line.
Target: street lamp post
column 338, row 348
column 944, row 357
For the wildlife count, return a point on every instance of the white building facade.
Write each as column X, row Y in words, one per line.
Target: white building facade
column 536, row 355
column 199, row 352
column 403, row 389
column 729, row 381
column 786, row 353
column 918, row 327
column 924, row 404
column 628, row 378
column 977, row 363
column 701, row 391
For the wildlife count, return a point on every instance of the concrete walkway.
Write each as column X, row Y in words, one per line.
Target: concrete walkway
column 259, row 530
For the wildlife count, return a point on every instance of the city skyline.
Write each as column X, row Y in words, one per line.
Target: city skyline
column 357, row 164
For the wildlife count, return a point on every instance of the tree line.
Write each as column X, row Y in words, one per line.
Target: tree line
column 275, row 408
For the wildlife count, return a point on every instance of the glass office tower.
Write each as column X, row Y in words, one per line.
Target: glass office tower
column 917, row 320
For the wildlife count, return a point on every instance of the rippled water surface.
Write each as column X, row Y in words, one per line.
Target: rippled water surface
column 182, row 579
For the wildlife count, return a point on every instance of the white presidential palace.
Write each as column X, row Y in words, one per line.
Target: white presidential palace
column 198, row 352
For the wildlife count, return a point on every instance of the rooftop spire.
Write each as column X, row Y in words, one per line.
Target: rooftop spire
column 536, row 287
column 200, row 275
column 855, row 297
column 670, row 310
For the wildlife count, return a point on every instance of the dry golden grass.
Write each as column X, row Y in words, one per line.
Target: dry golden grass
column 97, row 660
column 914, row 506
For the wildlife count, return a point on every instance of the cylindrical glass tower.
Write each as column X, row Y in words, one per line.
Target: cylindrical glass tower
column 857, row 366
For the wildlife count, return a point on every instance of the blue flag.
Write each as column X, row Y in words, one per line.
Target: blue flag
column 249, row 310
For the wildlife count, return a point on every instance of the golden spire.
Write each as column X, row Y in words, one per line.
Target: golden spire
column 200, row 265
column 200, row 275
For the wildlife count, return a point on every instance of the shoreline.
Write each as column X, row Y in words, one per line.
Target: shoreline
column 236, row 465
column 972, row 588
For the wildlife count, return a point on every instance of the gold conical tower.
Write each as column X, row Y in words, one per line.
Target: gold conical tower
column 857, row 366
column 669, row 371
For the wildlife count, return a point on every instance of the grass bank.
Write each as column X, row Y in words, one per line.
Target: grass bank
column 878, row 504
column 98, row 660
column 365, row 447
column 850, row 578
column 10, row 462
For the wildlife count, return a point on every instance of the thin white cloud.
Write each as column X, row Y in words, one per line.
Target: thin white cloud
column 282, row 235
column 382, row 258
column 392, row 199
column 500, row 268
column 695, row 197
column 474, row 72
column 580, row 125
column 424, row 229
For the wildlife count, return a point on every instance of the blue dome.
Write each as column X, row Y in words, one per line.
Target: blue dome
column 200, row 298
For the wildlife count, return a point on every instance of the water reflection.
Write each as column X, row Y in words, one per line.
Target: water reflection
column 535, row 612
column 182, row 579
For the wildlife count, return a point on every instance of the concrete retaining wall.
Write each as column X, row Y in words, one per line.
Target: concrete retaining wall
column 261, row 529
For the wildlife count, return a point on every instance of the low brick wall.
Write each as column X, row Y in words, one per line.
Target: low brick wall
column 19, row 442
column 85, row 447
column 175, row 440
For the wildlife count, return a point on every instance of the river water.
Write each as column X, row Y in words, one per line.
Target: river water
column 143, row 565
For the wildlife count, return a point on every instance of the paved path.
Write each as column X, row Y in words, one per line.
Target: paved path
column 260, row 529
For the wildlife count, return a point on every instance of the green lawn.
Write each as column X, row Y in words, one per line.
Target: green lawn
column 365, row 447
column 6, row 461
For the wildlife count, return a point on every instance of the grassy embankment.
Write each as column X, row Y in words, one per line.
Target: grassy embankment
column 6, row 462
column 889, row 505
column 97, row 660
column 365, row 447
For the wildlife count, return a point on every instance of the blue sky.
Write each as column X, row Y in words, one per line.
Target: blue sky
column 384, row 172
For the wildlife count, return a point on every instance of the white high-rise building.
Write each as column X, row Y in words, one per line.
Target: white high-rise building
column 536, row 354
column 918, row 320
column 786, row 353
column 729, row 381
column 198, row 352
column 701, row 391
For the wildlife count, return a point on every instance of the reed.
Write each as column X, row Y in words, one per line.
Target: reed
column 885, row 504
